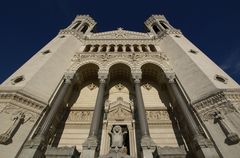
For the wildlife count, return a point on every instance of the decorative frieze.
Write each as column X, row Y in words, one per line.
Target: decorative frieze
column 80, row 116
column 157, row 115
column 120, row 34
column 119, row 110
column 221, row 102
column 78, row 57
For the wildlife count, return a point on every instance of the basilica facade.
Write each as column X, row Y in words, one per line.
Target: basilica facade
column 120, row 94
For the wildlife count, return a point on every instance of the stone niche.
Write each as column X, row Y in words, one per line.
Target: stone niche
column 119, row 113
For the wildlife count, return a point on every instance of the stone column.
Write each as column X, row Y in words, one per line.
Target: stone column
column 115, row 48
column 203, row 147
column 90, row 145
column 147, row 144
column 37, row 146
column 124, row 48
column 108, row 48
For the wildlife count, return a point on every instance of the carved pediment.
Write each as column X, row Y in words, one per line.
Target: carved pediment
column 119, row 110
column 120, row 34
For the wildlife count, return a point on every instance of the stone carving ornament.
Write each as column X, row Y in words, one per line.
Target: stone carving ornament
column 117, row 137
column 17, row 121
column 157, row 115
column 79, row 116
column 119, row 86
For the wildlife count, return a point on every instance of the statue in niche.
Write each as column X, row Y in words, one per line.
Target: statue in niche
column 5, row 138
column 117, row 137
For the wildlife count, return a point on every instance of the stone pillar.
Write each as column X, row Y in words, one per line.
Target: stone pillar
column 108, row 48
column 203, row 147
column 115, row 48
column 90, row 145
column 37, row 146
column 132, row 139
column 147, row 144
column 124, row 48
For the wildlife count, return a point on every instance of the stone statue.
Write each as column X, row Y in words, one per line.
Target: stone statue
column 117, row 137
column 17, row 121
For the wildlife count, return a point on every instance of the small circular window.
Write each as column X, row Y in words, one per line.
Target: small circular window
column 17, row 79
column 221, row 79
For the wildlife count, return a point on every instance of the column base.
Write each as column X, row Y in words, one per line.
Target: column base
column 33, row 148
column 170, row 152
column 90, row 148
column 148, row 146
column 204, row 148
column 64, row 152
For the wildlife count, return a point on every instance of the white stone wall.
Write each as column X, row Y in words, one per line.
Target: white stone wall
column 42, row 73
column 196, row 72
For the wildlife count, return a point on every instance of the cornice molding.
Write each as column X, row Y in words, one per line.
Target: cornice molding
column 23, row 101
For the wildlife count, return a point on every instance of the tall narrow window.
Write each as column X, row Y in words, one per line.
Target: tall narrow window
column 84, row 29
column 76, row 25
column 156, row 29
column 163, row 25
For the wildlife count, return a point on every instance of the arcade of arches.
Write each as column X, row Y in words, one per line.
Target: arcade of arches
column 120, row 107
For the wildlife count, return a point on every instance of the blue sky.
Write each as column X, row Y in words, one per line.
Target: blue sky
column 26, row 26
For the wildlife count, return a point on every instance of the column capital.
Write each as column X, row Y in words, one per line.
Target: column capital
column 69, row 77
column 102, row 76
column 137, row 75
column 171, row 77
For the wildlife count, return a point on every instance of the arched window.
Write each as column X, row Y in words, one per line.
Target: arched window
column 111, row 48
column 87, row 48
column 84, row 29
column 152, row 48
column 104, row 48
column 95, row 49
column 120, row 48
column 136, row 49
column 128, row 49
column 144, row 48
column 156, row 29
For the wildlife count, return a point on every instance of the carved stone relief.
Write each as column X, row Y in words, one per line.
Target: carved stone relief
column 221, row 102
column 92, row 86
column 14, row 110
column 147, row 86
column 133, row 60
column 119, row 110
column 119, row 86
column 158, row 115
column 80, row 116
column 17, row 120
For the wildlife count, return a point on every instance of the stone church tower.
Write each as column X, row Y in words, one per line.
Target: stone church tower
column 119, row 94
